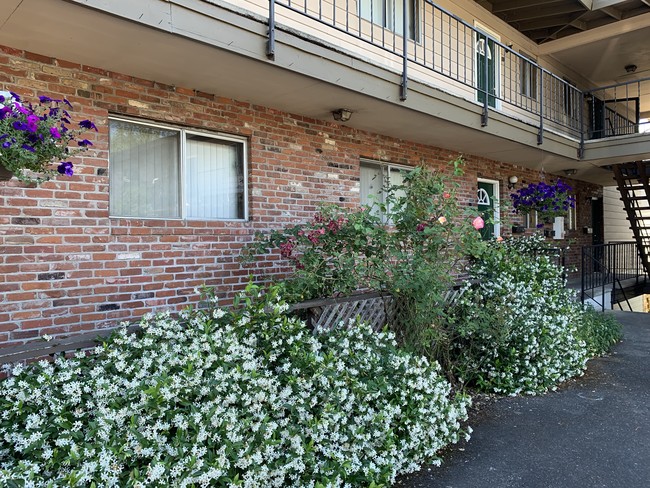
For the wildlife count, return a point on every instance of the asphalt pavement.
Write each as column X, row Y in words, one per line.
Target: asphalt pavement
column 593, row 432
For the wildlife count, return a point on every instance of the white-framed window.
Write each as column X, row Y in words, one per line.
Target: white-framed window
column 531, row 220
column 164, row 172
column 375, row 176
column 528, row 76
column 390, row 15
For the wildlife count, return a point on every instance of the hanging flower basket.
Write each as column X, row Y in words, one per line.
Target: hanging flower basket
column 549, row 201
column 35, row 139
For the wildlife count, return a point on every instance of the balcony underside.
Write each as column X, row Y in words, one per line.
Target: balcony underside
column 213, row 49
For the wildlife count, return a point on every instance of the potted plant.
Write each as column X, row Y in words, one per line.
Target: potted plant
column 549, row 201
column 35, row 139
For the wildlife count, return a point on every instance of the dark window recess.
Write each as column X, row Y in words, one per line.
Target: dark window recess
column 51, row 276
column 25, row 221
column 142, row 296
column 108, row 306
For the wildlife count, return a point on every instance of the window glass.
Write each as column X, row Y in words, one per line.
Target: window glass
column 158, row 172
column 144, row 171
column 390, row 14
column 374, row 176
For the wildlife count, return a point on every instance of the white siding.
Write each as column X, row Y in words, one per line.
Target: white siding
column 617, row 228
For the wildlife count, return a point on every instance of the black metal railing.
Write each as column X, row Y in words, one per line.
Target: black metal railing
column 613, row 270
column 615, row 110
column 423, row 36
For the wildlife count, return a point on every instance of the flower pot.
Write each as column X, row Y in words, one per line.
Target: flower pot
column 5, row 174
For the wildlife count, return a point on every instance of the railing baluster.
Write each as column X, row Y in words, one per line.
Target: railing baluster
column 405, row 34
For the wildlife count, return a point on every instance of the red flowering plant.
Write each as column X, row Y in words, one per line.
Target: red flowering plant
column 409, row 244
column 36, row 139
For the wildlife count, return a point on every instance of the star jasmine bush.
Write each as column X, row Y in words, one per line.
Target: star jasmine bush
column 516, row 333
column 518, row 326
column 240, row 397
column 35, row 139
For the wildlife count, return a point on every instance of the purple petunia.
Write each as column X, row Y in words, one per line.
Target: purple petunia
column 29, row 148
column 66, row 168
column 55, row 133
column 44, row 99
column 85, row 143
column 87, row 124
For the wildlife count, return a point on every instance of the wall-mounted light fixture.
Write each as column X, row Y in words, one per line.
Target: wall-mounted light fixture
column 342, row 114
column 630, row 68
column 512, row 181
column 570, row 172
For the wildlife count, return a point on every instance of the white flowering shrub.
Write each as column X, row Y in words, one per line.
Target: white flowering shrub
column 518, row 325
column 243, row 397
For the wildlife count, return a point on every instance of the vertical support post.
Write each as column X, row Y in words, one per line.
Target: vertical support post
column 615, row 277
column 540, row 132
column 270, row 43
column 583, row 276
column 581, row 149
column 486, row 72
column 405, row 33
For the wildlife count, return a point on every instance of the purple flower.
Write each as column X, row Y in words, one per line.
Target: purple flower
column 32, row 123
column 22, row 109
column 44, row 99
column 18, row 125
column 65, row 168
column 16, row 97
column 29, row 148
column 87, row 124
column 85, row 143
column 65, row 100
column 6, row 144
column 55, row 133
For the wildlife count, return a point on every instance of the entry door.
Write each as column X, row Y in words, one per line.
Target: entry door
column 486, row 53
column 487, row 203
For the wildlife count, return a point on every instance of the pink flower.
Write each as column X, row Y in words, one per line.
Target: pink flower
column 499, row 239
column 478, row 223
column 446, row 195
column 442, row 219
column 420, row 227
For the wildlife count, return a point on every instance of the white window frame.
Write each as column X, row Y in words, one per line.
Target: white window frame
column 183, row 132
column 386, row 168
column 528, row 76
column 385, row 18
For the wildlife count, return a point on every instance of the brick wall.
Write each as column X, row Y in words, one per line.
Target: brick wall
column 66, row 266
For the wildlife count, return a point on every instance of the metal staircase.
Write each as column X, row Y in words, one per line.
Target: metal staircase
column 633, row 180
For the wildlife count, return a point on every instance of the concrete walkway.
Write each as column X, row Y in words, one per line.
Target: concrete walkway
column 593, row 432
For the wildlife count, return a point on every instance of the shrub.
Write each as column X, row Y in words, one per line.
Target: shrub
column 518, row 325
column 599, row 331
column 244, row 397
column 410, row 245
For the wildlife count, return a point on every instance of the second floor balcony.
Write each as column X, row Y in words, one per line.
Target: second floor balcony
column 411, row 69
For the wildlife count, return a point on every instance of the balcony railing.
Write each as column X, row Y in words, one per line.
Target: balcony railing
column 438, row 43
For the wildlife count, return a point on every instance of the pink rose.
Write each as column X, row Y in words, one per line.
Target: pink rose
column 478, row 223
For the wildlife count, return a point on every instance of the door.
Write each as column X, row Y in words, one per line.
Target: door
column 487, row 75
column 488, row 209
column 597, row 118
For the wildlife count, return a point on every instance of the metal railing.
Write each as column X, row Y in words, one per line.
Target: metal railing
column 610, row 269
column 615, row 110
column 495, row 75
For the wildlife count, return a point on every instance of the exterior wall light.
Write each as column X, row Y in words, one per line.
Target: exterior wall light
column 342, row 114
column 570, row 172
column 512, row 181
